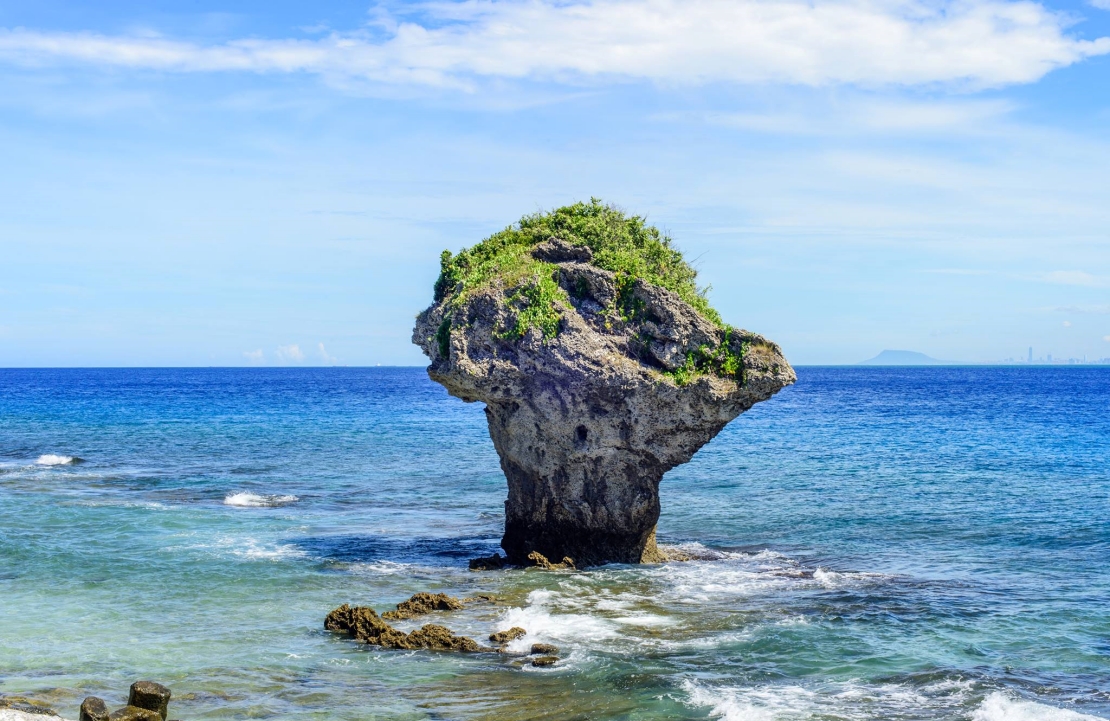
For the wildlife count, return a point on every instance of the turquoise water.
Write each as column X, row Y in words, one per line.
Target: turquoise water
column 927, row 543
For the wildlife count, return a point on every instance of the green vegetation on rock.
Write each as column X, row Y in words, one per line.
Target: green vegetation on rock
column 623, row 244
column 719, row 361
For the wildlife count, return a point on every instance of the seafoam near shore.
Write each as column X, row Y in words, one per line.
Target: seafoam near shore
column 871, row 544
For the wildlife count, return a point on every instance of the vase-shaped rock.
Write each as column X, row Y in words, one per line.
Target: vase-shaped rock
column 588, row 417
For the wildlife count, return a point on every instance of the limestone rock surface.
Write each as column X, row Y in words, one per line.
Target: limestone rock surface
column 587, row 422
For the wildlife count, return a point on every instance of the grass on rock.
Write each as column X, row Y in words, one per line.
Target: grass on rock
column 623, row 244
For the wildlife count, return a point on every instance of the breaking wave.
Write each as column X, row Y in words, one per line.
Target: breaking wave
column 51, row 459
column 254, row 500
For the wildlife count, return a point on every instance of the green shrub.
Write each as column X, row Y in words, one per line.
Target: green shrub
column 623, row 244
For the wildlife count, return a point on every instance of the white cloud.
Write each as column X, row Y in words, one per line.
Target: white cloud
column 818, row 42
column 1106, row 338
column 290, row 353
column 255, row 357
column 1067, row 324
column 327, row 358
column 1072, row 277
column 1101, row 4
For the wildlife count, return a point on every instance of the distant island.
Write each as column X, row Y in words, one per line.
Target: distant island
column 903, row 358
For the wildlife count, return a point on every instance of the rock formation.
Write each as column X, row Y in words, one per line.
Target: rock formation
column 423, row 603
column 601, row 366
column 364, row 624
column 147, row 701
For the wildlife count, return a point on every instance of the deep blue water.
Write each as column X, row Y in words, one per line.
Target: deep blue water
column 913, row 543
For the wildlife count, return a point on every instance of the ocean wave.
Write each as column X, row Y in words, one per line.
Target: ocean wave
column 1001, row 707
column 851, row 699
column 51, row 459
column 545, row 623
column 254, row 500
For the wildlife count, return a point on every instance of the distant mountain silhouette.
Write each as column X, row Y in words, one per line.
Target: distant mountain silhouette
column 902, row 358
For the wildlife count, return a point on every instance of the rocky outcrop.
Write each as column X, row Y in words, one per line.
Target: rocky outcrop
column 146, row 701
column 364, row 624
column 587, row 420
column 423, row 603
column 503, row 637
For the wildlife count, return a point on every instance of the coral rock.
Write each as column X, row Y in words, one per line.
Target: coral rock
column 364, row 624
column 595, row 382
column 422, row 603
column 93, row 709
column 150, row 695
column 503, row 637
column 134, row 713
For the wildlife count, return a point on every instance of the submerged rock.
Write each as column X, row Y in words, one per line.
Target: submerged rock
column 545, row 661
column 93, row 709
column 364, row 624
column 422, row 603
column 150, row 695
column 601, row 366
column 503, row 637
column 134, row 713
column 489, row 563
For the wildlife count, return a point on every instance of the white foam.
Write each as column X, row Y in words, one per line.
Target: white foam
column 278, row 552
column 849, row 700
column 754, row 704
column 381, row 568
column 50, row 459
column 545, row 624
column 254, row 500
column 1000, row 707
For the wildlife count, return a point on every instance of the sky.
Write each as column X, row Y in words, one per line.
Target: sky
column 271, row 183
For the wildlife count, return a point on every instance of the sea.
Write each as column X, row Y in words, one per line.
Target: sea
column 873, row 543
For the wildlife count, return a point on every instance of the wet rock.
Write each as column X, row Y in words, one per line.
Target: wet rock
column 151, row 696
column 587, row 418
column 503, row 637
column 537, row 559
column 545, row 661
column 134, row 713
column 26, row 705
column 440, row 638
column 364, row 624
column 544, row 649
column 491, row 563
column 422, row 603
column 93, row 709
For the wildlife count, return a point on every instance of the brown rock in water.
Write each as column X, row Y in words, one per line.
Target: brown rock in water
column 26, row 705
column 539, row 560
column 544, row 649
column 595, row 385
column 490, row 563
column 93, row 709
column 422, row 603
column 150, row 695
column 503, row 637
column 363, row 624
column 545, row 661
column 134, row 713
column 439, row 638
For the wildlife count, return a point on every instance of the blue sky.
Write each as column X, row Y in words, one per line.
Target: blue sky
column 201, row 183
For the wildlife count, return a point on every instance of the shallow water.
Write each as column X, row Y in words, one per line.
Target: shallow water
column 885, row 543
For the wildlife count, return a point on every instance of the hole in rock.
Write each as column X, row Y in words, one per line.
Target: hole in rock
column 581, row 432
